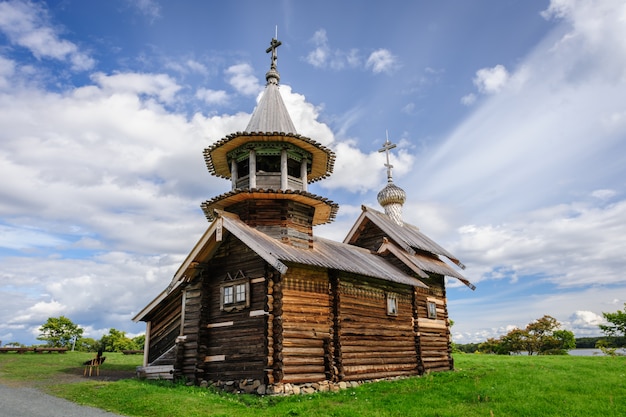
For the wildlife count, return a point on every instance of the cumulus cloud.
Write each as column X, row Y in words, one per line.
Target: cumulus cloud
column 241, row 77
column 324, row 56
column 319, row 56
column 491, row 80
column 161, row 86
column 134, row 174
column 26, row 24
column 212, row 96
column 381, row 60
column 569, row 245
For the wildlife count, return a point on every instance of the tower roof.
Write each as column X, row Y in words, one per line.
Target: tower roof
column 271, row 114
column 270, row 122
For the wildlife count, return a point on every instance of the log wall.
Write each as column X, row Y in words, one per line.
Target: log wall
column 287, row 220
column 165, row 327
column 433, row 333
column 306, row 325
column 232, row 345
column 370, row 343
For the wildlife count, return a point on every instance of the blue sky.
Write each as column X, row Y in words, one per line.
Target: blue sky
column 510, row 120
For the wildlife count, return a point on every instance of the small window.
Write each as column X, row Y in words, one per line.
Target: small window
column 228, row 295
column 392, row 305
column 432, row 310
column 235, row 292
column 268, row 163
column 243, row 168
column 240, row 293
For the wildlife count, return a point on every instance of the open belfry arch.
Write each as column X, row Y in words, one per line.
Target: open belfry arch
column 260, row 298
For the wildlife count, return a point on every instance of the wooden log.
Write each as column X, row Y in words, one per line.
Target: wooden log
column 381, row 360
column 303, row 351
column 298, row 378
column 350, row 370
column 386, row 354
column 303, row 360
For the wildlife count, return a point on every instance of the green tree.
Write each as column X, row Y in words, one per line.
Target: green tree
column 542, row 337
column 515, row 341
column 116, row 341
column 139, row 341
column 617, row 326
column 540, row 332
column 87, row 344
column 59, row 332
column 492, row 345
column 615, row 331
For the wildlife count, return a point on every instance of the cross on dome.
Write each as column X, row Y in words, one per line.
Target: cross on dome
column 387, row 146
column 274, row 44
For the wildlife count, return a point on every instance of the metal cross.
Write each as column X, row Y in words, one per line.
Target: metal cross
column 387, row 146
column 273, row 45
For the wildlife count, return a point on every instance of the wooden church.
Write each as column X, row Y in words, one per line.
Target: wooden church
column 261, row 298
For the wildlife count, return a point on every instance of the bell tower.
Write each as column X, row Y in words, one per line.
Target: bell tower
column 270, row 166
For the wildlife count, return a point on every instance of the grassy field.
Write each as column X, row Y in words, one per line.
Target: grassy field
column 482, row 385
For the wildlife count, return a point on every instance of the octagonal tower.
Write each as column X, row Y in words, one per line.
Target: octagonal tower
column 270, row 166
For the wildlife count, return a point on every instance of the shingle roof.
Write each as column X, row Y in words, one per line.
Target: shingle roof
column 271, row 115
column 411, row 241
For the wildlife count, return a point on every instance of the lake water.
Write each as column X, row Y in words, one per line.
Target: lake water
column 593, row 352
column 585, row 352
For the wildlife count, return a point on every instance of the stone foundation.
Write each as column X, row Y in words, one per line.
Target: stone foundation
column 254, row 386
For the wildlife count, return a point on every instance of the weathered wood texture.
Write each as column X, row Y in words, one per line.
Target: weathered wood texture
column 232, row 345
column 286, row 220
column 193, row 305
column 373, row 344
column 369, row 236
column 433, row 333
column 306, row 325
column 165, row 326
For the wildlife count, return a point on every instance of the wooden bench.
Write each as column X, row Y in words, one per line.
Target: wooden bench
column 94, row 363
column 19, row 350
column 132, row 352
column 50, row 350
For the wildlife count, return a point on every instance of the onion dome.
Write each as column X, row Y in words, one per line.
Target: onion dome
column 391, row 194
column 392, row 197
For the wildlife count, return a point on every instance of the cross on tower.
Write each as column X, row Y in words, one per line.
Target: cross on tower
column 387, row 146
column 275, row 43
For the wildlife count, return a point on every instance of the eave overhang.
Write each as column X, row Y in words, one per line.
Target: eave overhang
column 325, row 209
column 218, row 164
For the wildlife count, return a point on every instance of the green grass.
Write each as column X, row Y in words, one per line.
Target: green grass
column 482, row 385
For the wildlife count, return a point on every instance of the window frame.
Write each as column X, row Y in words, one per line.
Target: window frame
column 230, row 292
column 431, row 310
column 392, row 304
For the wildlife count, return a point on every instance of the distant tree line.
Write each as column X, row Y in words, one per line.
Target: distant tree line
column 62, row 332
column 544, row 337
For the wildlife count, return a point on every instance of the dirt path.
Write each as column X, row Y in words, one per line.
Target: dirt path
column 30, row 402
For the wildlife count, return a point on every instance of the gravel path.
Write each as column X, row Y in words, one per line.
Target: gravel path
column 28, row 402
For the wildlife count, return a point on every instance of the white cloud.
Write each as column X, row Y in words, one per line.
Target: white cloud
column 545, row 137
column 570, row 245
column 161, row 86
column 322, row 56
column 7, row 69
column 134, row 174
column 381, row 60
column 149, row 8
column 468, row 99
column 242, row 79
column 26, row 24
column 212, row 96
column 491, row 80
column 318, row 56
